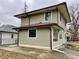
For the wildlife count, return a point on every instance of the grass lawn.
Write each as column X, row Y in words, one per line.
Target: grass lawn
column 73, row 46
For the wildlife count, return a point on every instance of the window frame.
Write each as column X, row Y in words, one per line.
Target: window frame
column 55, row 40
column 32, row 37
column 45, row 16
column 60, row 36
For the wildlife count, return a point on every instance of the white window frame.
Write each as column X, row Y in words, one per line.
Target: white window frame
column 45, row 18
column 57, row 36
column 32, row 37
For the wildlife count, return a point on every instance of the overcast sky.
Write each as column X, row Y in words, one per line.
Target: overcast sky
column 9, row 8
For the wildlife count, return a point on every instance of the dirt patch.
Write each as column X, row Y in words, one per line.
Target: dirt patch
column 30, row 53
column 12, row 55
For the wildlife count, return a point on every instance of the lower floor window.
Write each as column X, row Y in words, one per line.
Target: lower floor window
column 55, row 34
column 32, row 33
column 60, row 36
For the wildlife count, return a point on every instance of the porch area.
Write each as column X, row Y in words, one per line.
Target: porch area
column 58, row 37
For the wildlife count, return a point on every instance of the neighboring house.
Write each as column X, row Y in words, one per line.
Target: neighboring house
column 70, row 32
column 44, row 28
column 8, row 35
column 68, row 36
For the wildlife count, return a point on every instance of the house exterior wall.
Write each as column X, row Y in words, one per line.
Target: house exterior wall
column 55, row 18
column 43, row 35
column 61, row 23
column 6, row 38
column 39, row 18
column 61, row 20
column 24, row 21
column 42, row 39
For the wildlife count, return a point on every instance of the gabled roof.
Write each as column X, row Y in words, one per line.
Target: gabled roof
column 62, row 7
column 7, row 28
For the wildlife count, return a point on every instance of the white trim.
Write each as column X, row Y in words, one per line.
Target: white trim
column 33, row 46
column 44, row 16
column 58, row 46
column 59, row 51
column 57, row 37
column 52, row 37
column 51, row 16
column 28, row 34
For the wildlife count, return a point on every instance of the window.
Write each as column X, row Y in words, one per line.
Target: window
column 11, row 35
column 55, row 35
column 60, row 36
column 32, row 33
column 47, row 16
column 61, row 17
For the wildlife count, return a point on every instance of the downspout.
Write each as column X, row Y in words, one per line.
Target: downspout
column 50, row 39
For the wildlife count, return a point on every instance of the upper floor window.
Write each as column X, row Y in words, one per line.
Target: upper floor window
column 47, row 16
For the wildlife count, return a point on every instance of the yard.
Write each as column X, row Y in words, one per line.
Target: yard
column 29, row 53
column 73, row 45
column 14, row 52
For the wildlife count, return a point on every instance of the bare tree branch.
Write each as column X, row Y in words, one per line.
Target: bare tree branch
column 74, row 12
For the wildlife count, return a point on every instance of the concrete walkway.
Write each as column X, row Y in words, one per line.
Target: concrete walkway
column 70, row 53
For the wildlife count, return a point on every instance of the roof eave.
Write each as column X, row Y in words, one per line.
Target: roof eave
column 38, row 26
column 37, row 11
column 68, row 13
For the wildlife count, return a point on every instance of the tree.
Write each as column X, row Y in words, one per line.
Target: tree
column 74, row 13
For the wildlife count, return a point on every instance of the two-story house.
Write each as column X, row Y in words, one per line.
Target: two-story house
column 44, row 28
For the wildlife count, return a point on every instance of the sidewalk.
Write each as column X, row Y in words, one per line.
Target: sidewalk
column 71, row 53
